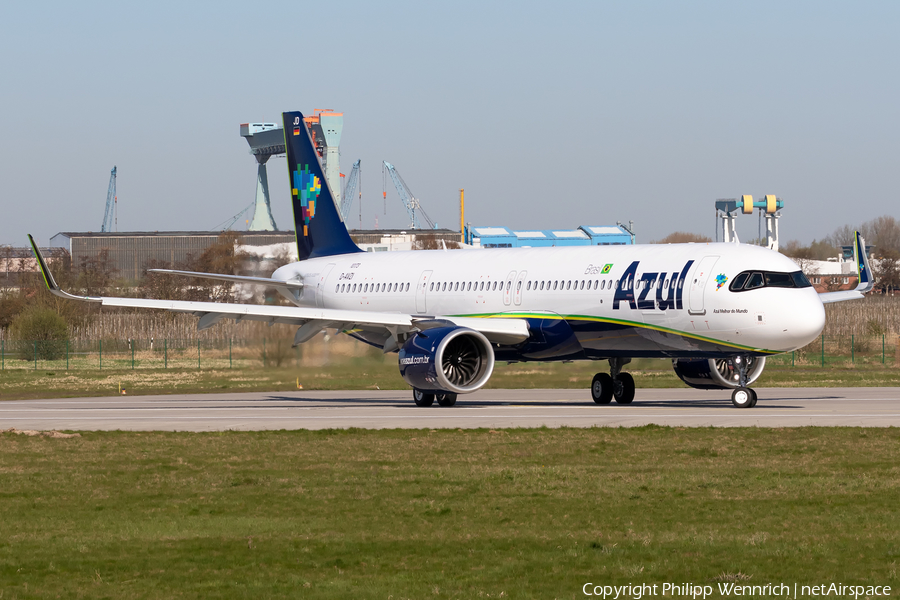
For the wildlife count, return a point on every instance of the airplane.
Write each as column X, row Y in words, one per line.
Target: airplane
column 716, row 310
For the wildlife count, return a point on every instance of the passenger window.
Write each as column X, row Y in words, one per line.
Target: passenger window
column 555, row 284
column 337, row 288
column 431, row 289
column 603, row 285
column 528, row 287
column 508, row 285
column 519, row 287
column 407, row 287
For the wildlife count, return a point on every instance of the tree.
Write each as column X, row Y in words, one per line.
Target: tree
column 815, row 251
column 883, row 233
column 221, row 257
column 844, row 235
column 95, row 273
column 682, row 237
column 45, row 331
column 161, row 285
column 887, row 272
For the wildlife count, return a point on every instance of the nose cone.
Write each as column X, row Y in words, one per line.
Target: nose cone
column 807, row 319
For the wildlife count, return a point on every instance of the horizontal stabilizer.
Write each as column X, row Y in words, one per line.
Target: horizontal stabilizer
column 291, row 285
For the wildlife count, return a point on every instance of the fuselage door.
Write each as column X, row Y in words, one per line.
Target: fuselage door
column 421, row 289
column 698, row 280
column 507, row 287
column 520, row 284
column 320, row 285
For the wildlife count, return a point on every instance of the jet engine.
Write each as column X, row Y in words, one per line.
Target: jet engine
column 716, row 373
column 452, row 360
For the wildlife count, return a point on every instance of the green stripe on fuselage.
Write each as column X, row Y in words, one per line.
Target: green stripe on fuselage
column 623, row 322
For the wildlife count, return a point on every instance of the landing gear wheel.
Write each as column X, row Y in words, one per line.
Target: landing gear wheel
column 754, row 398
column 446, row 399
column 743, row 397
column 422, row 399
column 602, row 388
column 624, row 388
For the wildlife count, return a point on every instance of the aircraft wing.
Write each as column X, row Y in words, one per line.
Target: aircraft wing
column 309, row 320
column 291, row 285
column 863, row 270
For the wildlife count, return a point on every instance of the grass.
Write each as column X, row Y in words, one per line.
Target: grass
column 373, row 370
column 448, row 514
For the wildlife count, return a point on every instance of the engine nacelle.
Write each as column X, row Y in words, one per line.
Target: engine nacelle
column 453, row 360
column 715, row 373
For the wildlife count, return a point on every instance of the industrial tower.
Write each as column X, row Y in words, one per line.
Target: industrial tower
column 267, row 140
column 325, row 127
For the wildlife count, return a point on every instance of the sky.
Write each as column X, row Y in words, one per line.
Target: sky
column 549, row 115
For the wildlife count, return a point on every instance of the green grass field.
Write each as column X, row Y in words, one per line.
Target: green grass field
column 444, row 514
column 373, row 371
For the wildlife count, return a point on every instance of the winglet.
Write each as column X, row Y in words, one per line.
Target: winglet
column 48, row 276
column 42, row 265
column 866, row 283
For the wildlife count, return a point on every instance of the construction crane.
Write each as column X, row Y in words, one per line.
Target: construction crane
column 413, row 207
column 349, row 192
column 110, row 203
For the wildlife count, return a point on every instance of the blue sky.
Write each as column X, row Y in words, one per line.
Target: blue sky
column 548, row 114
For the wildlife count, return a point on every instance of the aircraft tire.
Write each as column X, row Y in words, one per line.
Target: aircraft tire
column 602, row 388
column 742, row 398
column 754, row 398
column 422, row 399
column 624, row 392
column 446, row 399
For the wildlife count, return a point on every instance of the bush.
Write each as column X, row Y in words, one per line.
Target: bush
column 45, row 332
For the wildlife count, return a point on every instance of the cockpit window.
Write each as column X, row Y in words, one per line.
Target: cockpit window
column 751, row 280
column 800, row 279
column 779, row 280
column 755, row 281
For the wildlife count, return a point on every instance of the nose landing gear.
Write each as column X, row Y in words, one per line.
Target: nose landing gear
column 743, row 397
column 616, row 385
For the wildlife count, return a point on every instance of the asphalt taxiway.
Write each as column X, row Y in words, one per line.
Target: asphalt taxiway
column 777, row 407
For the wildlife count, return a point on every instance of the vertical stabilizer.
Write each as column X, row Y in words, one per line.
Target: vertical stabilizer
column 319, row 227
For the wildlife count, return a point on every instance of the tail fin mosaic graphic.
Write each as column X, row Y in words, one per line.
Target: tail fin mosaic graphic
column 320, row 230
column 306, row 190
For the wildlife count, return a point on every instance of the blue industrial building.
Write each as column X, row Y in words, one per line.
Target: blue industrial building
column 503, row 237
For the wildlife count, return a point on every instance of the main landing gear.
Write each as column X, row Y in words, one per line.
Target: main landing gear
column 425, row 399
column 616, row 385
column 743, row 397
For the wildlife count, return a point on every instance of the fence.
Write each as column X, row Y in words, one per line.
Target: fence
column 842, row 351
column 117, row 354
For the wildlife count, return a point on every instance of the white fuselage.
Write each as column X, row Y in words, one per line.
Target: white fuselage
column 681, row 305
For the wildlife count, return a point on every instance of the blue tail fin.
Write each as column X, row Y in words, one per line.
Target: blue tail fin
column 320, row 229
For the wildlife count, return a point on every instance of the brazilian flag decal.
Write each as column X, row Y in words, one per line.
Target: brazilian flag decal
column 606, row 268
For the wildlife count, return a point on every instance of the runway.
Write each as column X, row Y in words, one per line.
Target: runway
column 778, row 407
